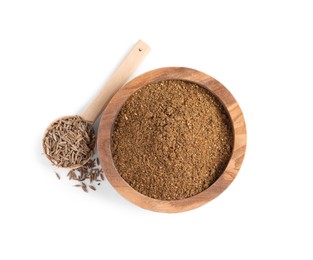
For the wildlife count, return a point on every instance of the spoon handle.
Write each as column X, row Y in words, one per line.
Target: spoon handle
column 116, row 81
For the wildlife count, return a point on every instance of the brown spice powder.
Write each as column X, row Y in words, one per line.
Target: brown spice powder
column 171, row 140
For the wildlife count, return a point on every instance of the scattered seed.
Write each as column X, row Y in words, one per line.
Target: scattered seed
column 92, row 187
column 89, row 173
column 58, row 175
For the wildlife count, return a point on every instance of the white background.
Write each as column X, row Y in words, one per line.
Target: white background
column 54, row 58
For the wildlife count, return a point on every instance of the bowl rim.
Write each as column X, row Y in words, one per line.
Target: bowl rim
column 171, row 73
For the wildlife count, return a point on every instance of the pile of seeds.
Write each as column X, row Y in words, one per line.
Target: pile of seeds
column 172, row 140
column 69, row 142
column 87, row 176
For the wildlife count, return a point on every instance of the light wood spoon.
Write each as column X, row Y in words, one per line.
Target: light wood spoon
column 90, row 115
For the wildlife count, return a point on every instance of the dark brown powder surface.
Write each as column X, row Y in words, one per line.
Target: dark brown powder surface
column 171, row 140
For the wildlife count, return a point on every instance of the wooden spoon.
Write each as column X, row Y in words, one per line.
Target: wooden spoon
column 90, row 115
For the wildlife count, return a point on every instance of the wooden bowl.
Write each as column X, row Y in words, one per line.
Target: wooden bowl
column 112, row 110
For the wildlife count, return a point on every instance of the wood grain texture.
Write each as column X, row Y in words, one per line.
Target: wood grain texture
column 116, row 103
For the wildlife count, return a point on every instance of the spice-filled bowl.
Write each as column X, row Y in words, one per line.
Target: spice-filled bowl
column 171, row 139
